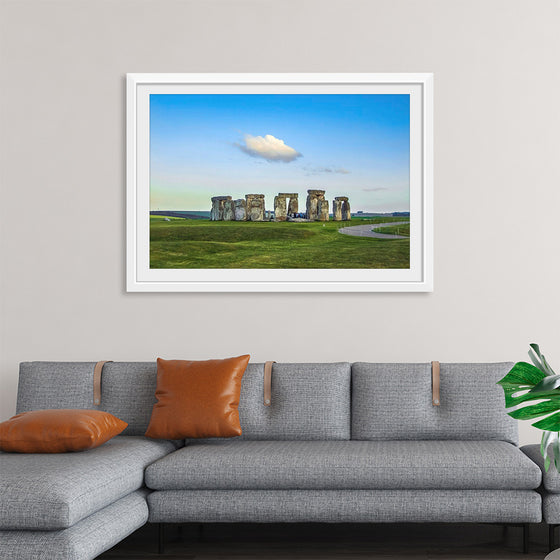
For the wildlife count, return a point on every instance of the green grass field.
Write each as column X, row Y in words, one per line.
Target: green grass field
column 181, row 243
column 403, row 230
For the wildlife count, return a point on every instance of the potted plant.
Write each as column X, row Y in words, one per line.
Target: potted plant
column 526, row 383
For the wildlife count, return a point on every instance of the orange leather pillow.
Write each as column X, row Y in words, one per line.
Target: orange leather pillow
column 58, row 431
column 197, row 399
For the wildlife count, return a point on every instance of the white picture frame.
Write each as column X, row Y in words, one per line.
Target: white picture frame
column 141, row 278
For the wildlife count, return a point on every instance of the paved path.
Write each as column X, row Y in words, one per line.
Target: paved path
column 365, row 231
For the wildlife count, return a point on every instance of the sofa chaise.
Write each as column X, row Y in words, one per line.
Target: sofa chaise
column 340, row 442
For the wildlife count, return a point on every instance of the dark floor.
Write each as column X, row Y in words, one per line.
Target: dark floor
column 330, row 542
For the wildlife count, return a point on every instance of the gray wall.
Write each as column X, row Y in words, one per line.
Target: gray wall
column 497, row 179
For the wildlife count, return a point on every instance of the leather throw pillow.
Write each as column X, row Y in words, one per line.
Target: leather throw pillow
column 197, row 399
column 58, row 431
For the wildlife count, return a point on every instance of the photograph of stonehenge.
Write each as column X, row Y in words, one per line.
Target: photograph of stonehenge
column 252, row 208
column 279, row 181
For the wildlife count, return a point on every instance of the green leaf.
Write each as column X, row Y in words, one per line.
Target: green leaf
column 536, row 410
column 540, row 362
column 548, row 368
column 512, row 400
column 547, row 437
column 535, row 347
column 536, row 361
column 549, row 442
column 521, row 375
column 547, row 384
column 550, row 423
column 556, row 451
column 526, row 383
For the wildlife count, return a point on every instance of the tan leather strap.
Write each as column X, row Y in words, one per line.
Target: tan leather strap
column 435, row 383
column 267, row 393
column 97, row 370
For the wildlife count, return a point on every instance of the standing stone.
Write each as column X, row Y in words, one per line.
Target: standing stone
column 255, row 207
column 217, row 210
column 240, row 210
column 311, row 207
column 280, row 208
column 214, row 210
column 323, row 210
column 313, row 197
column 229, row 210
column 292, row 204
column 293, row 207
column 337, row 209
column 341, row 207
column 346, row 214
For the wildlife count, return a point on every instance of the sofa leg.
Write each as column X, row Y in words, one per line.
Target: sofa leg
column 525, row 538
column 551, row 544
column 161, row 538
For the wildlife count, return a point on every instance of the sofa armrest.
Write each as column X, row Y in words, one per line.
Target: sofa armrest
column 551, row 479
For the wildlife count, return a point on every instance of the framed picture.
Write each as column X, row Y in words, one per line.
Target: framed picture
column 280, row 182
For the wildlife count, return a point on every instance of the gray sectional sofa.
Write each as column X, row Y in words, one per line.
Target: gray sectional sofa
column 340, row 442
column 550, row 491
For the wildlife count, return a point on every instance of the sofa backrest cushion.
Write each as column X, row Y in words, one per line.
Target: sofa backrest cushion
column 127, row 389
column 309, row 401
column 394, row 402
column 44, row 385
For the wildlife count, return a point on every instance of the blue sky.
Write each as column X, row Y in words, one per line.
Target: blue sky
column 210, row 145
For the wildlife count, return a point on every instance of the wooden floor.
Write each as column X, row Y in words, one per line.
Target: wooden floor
column 333, row 542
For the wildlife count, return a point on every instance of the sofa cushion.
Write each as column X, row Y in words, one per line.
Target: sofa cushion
column 85, row 540
column 127, row 389
column 309, row 402
column 550, row 478
column 197, row 399
column 344, row 465
column 54, row 491
column 551, row 508
column 40, row 385
column 394, row 401
column 58, row 430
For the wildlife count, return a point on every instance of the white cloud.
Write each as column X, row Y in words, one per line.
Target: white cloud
column 376, row 189
column 317, row 170
column 268, row 147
